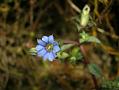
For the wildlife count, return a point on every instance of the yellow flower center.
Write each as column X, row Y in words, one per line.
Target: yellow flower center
column 49, row 47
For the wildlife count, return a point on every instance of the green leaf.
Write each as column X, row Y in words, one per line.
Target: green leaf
column 65, row 47
column 62, row 55
column 73, row 58
column 95, row 70
column 94, row 39
column 87, row 38
column 110, row 85
column 33, row 51
column 76, row 53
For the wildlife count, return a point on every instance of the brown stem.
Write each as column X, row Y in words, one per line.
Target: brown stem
column 95, row 81
column 86, row 62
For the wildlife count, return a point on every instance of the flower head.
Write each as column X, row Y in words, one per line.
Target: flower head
column 47, row 47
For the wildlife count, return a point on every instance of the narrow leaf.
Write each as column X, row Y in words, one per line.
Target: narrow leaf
column 67, row 46
column 94, row 69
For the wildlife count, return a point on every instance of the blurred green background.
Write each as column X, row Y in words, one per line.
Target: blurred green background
column 23, row 21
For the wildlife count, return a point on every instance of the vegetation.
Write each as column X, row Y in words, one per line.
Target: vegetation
column 86, row 32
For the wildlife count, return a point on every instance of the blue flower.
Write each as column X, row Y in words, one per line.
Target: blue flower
column 47, row 48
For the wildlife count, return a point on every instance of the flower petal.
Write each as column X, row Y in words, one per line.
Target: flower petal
column 56, row 49
column 45, row 39
column 51, row 56
column 51, row 39
column 42, row 52
column 45, row 57
column 39, row 47
column 55, row 43
column 41, row 42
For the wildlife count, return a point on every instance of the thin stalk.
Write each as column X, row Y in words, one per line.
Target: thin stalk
column 86, row 62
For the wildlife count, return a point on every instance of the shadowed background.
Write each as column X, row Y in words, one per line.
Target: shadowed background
column 23, row 21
